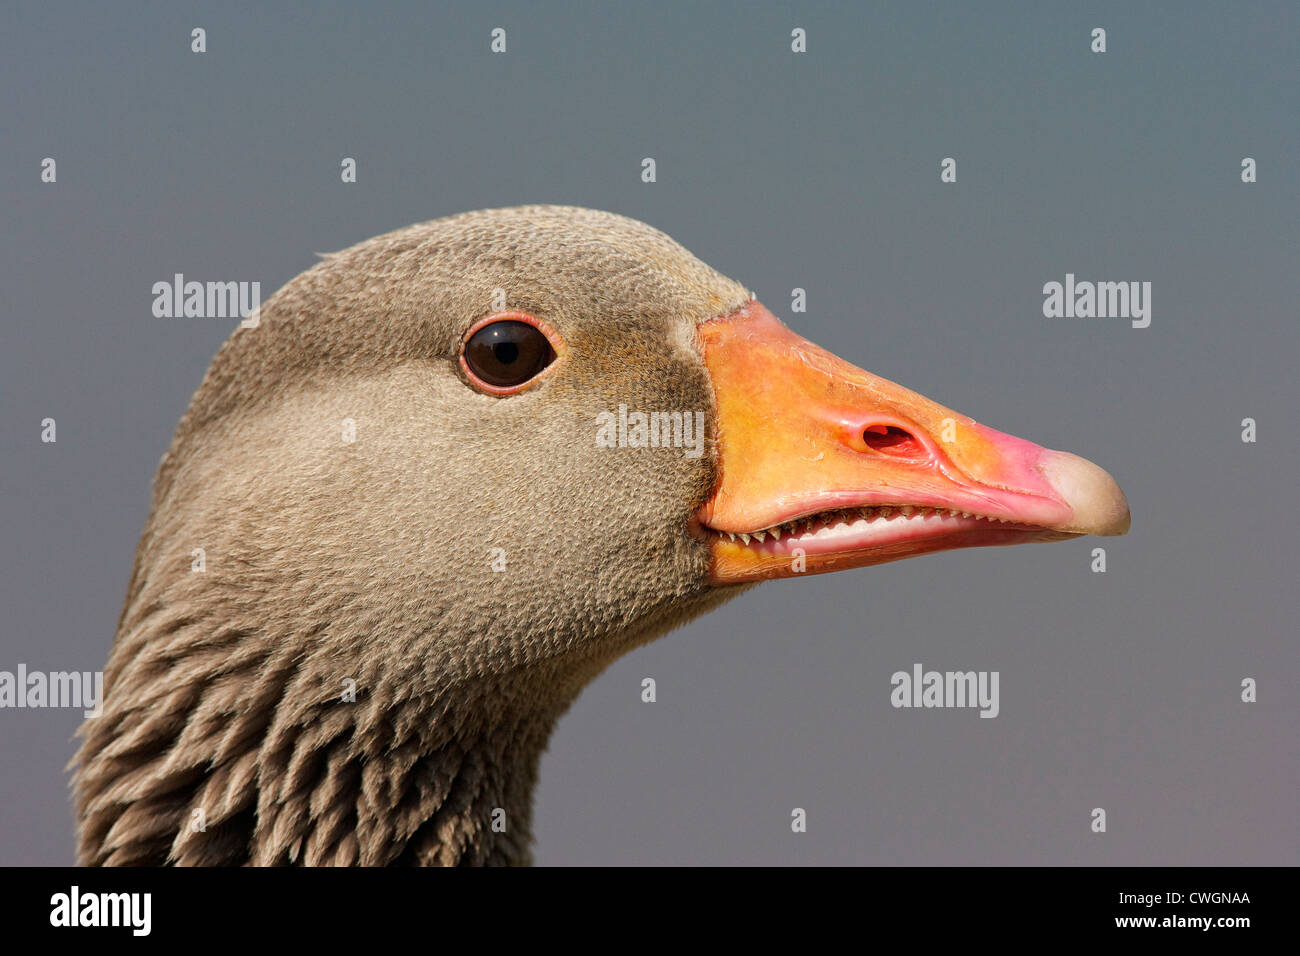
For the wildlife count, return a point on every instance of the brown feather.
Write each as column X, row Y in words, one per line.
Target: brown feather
column 370, row 560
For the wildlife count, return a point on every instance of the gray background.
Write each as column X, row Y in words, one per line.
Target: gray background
column 821, row 171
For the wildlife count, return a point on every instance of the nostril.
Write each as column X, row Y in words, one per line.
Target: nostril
column 889, row 440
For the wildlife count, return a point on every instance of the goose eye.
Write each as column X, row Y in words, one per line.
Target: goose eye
column 505, row 354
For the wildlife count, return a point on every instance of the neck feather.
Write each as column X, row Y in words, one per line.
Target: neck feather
column 222, row 748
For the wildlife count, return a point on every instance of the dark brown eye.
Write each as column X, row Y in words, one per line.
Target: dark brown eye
column 506, row 353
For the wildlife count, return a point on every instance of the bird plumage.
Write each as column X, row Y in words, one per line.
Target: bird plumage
column 225, row 738
column 408, row 574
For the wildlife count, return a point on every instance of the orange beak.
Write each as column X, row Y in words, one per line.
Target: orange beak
column 824, row 466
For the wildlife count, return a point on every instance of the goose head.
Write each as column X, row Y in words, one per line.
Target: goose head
column 447, row 477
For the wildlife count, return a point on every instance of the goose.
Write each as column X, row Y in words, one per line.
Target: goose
column 441, row 482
